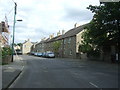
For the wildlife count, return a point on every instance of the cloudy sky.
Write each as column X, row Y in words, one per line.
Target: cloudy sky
column 44, row 17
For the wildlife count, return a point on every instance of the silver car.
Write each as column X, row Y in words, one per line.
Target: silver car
column 50, row 55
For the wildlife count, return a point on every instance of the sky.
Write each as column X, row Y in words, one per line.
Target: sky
column 42, row 18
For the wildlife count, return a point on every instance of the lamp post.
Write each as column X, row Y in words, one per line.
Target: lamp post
column 15, row 9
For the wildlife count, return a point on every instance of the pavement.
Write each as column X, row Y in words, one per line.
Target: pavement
column 11, row 71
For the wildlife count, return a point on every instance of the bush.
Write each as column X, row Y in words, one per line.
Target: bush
column 93, row 53
column 6, row 51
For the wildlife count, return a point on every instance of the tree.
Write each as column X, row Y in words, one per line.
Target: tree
column 85, row 47
column 19, row 44
column 56, row 46
column 103, row 28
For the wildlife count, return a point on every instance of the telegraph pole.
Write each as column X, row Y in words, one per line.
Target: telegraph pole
column 15, row 9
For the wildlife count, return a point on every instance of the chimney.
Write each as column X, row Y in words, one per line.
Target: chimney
column 51, row 36
column 58, row 33
column 76, row 25
column 63, row 32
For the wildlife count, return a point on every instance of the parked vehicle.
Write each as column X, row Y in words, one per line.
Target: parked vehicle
column 44, row 54
column 32, row 53
column 50, row 55
column 35, row 54
column 18, row 52
column 39, row 54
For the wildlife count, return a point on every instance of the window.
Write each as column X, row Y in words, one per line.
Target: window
column 70, row 52
column 69, row 40
column 64, row 41
column 64, row 52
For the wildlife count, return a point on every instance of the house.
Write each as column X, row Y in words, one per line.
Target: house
column 4, row 34
column 51, row 45
column 70, row 42
column 26, row 47
column 64, row 45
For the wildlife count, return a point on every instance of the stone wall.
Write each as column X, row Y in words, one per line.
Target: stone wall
column 7, row 59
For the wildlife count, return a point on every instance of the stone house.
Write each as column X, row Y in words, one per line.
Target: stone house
column 26, row 47
column 70, row 42
column 38, row 47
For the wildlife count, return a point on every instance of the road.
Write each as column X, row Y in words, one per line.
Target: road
column 66, row 73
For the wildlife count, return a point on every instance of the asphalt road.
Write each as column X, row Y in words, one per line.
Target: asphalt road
column 66, row 73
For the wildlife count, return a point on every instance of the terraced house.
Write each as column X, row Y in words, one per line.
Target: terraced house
column 71, row 41
column 65, row 44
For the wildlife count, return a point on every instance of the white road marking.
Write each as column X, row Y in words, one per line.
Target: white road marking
column 93, row 84
column 16, row 80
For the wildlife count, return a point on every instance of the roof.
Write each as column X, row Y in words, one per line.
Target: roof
column 69, row 33
column 54, row 38
column 30, row 42
column 34, row 42
column 74, row 31
column 47, row 40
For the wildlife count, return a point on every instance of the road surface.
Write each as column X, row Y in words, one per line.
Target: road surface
column 66, row 73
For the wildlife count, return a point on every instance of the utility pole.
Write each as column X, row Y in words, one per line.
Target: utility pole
column 15, row 9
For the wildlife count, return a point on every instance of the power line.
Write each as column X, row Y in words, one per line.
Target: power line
column 9, row 12
column 13, row 1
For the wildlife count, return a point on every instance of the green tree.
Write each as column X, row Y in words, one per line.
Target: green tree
column 56, row 46
column 103, row 28
column 85, row 47
column 19, row 44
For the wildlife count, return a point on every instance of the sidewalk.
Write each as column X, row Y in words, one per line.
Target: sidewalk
column 11, row 71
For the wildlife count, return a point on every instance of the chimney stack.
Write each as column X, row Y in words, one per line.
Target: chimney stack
column 63, row 32
column 76, row 25
column 51, row 36
column 58, row 33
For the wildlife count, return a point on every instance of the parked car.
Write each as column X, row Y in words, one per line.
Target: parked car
column 18, row 52
column 32, row 53
column 44, row 54
column 39, row 54
column 50, row 55
column 35, row 54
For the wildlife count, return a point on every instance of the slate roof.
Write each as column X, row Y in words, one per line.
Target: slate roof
column 69, row 33
column 73, row 32
column 54, row 38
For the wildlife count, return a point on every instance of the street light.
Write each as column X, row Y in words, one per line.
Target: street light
column 20, row 20
column 15, row 8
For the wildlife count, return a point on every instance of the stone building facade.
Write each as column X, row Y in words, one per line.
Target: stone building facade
column 26, row 47
column 69, row 43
